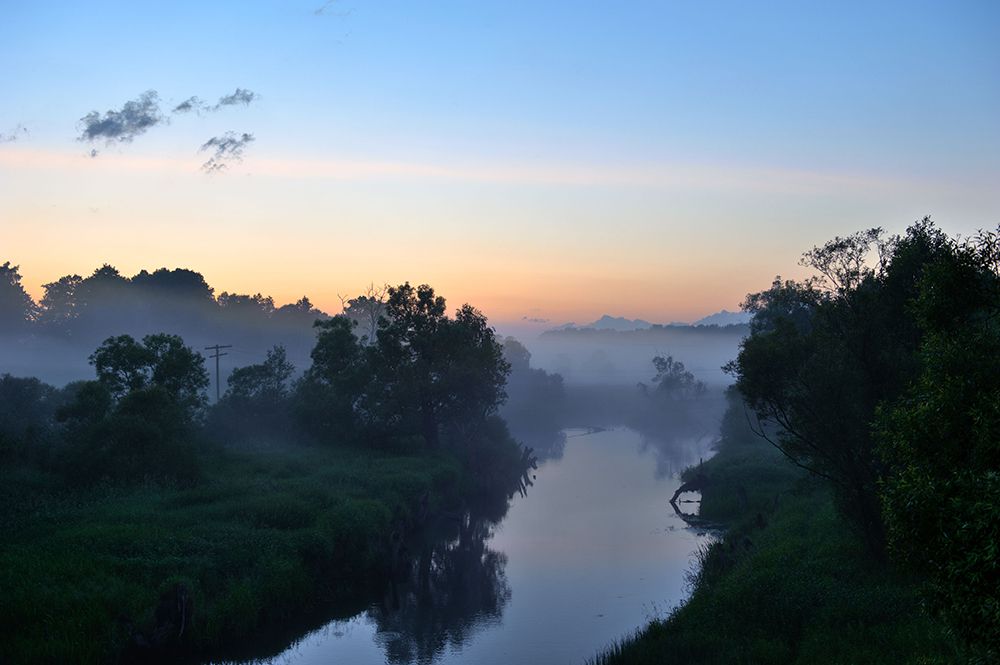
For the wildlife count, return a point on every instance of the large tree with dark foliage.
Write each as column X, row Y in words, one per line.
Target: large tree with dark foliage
column 125, row 366
column 136, row 421
column 17, row 309
column 824, row 353
column 434, row 370
column 328, row 398
column 257, row 403
column 940, row 442
column 426, row 373
column 882, row 375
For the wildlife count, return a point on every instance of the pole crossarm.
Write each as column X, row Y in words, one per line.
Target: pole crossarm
column 217, row 348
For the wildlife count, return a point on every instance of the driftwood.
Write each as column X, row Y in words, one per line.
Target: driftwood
column 696, row 484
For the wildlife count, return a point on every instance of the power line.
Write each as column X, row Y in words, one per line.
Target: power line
column 218, row 354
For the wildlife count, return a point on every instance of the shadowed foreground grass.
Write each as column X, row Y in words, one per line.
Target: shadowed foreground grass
column 267, row 536
column 789, row 582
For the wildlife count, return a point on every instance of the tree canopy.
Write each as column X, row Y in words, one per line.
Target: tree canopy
column 881, row 375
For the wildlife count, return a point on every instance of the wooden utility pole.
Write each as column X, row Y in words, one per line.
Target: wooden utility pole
column 217, row 355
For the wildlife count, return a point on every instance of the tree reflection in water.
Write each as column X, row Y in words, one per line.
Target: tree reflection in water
column 453, row 586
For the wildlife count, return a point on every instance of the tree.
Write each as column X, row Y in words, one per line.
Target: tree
column 328, row 398
column 435, row 370
column 824, row 353
column 940, row 442
column 535, row 402
column 27, row 407
column 257, row 400
column 17, row 309
column 366, row 310
column 59, row 307
column 266, row 382
column 136, row 420
column 161, row 361
column 673, row 381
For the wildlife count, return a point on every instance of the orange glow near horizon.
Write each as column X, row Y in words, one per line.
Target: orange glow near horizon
column 562, row 243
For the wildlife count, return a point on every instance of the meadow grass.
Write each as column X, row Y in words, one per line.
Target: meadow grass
column 265, row 536
column 788, row 582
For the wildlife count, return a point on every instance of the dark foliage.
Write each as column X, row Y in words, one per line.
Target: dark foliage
column 17, row 309
column 824, row 353
column 257, row 404
column 940, row 442
column 136, row 422
column 535, row 409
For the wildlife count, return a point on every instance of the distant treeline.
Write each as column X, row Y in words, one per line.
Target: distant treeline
column 655, row 330
column 426, row 381
column 76, row 313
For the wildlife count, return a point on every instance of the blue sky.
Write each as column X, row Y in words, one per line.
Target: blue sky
column 596, row 148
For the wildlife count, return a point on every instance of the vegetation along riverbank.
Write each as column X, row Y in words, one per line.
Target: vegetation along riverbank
column 864, row 528
column 142, row 524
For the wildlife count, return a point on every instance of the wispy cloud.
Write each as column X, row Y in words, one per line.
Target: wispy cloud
column 226, row 148
column 190, row 104
column 196, row 104
column 241, row 96
column 15, row 134
column 123, row 126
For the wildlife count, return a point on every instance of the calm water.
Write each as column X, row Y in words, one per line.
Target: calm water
column 588, row 555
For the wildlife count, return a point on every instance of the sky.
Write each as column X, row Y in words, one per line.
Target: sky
column 552, row 161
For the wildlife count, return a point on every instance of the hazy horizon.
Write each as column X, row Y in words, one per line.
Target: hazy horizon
column 553, row 162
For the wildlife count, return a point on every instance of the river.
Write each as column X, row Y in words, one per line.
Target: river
column 589, row 554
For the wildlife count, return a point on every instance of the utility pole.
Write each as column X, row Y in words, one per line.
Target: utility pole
column 217, row 355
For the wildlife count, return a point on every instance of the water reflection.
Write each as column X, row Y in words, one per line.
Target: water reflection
column 453, row 587
column 589, row 555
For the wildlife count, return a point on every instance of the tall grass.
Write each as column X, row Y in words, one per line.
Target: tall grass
column 267, row 536
column 789, row 583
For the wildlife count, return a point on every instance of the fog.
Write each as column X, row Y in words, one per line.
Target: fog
column 587, row 356
column 53, row 339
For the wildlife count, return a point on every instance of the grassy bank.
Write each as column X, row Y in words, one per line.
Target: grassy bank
column 267, row 537
column 788, row 583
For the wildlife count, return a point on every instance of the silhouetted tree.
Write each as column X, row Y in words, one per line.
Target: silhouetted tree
column 329, row 394
column 161, row 361
column 940, row 442
column 673, row 381
column 265, row 382
column 27, row 410
column 136, row 421
column 534, row 409
column 822, row 355
column 59, row 306
column 17, row 309
column 366, row 310
column 435, row 370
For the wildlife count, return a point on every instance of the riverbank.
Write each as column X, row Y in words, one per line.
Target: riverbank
column 267, row 537
column 787, row 583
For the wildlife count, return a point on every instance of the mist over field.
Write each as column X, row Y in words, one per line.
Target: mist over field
column 480, row 333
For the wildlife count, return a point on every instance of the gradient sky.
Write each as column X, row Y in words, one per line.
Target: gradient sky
column 550, row 160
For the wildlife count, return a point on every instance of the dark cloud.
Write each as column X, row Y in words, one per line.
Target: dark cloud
column 226, row 148
column 190, row 104
column 533, row 319
column 241, row 96
column 18, row 132
column 94, row 153
column 134, row 118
